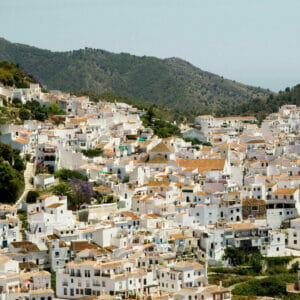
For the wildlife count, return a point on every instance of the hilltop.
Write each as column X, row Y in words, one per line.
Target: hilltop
column 172, row 82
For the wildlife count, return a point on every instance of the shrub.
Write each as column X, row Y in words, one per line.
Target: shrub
column 272, row 286
column 125, row 179
column 32, row 196
column 65, row 175
column 92, row 152
column 294, row 268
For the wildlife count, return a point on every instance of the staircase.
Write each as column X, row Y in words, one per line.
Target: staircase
column 28, row 173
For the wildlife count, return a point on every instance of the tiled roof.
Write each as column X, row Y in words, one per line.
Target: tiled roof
column 202, row 164
column 162, row 147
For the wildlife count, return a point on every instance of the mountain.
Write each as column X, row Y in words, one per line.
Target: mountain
column 170, row 82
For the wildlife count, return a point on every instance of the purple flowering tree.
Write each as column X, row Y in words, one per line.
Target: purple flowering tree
column 82, row 191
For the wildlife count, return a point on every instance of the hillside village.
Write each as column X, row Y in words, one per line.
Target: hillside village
column 149, row 215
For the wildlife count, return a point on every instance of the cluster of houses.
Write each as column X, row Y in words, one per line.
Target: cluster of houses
column 177, row 206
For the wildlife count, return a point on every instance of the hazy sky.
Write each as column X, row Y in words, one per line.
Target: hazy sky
column 255, row 41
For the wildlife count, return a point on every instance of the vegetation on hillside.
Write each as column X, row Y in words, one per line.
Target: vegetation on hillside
column 271, row 286
column 251, row 274
column 17, row 113
column 11, row 174
column 261, row 107
column 171, row 82
column 159, row 126
column 12, row 75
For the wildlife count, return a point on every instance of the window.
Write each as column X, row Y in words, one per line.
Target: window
column 295, row 242
column 65, row 291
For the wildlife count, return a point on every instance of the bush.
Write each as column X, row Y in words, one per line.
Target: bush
column 32, row 197
column 272, row 286
column 11, row 183
column 125, row 179
column 66, row 175
column 53, row 281
column 92, row 152
column 23, row 218
column 19, row 164
column 294, row 268
column 234, row 255
column 24, row 114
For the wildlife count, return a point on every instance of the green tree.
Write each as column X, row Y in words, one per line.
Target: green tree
column 256, row 261
column 54, row 109
column 19, row 164
column 65, row 175
column 234, row 255
column 294, row 268
column 24, row 114
column 53, row 281
column 32, row 197
column 62, row 189
column 92, row 152
column 7, row 153
column 11, row 183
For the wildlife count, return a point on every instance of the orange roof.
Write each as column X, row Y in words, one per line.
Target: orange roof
column 162, row 147
column 130, row 215
column 177, row 236
column 54, row 205
column 255, row 142
column 285, row 191
column 158, row 183
column 22, row 141
column 202, row 164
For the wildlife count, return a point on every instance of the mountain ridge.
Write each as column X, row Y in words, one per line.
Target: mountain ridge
column 170, row 82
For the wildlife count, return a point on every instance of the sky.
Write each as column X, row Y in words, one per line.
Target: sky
column 256, row 42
